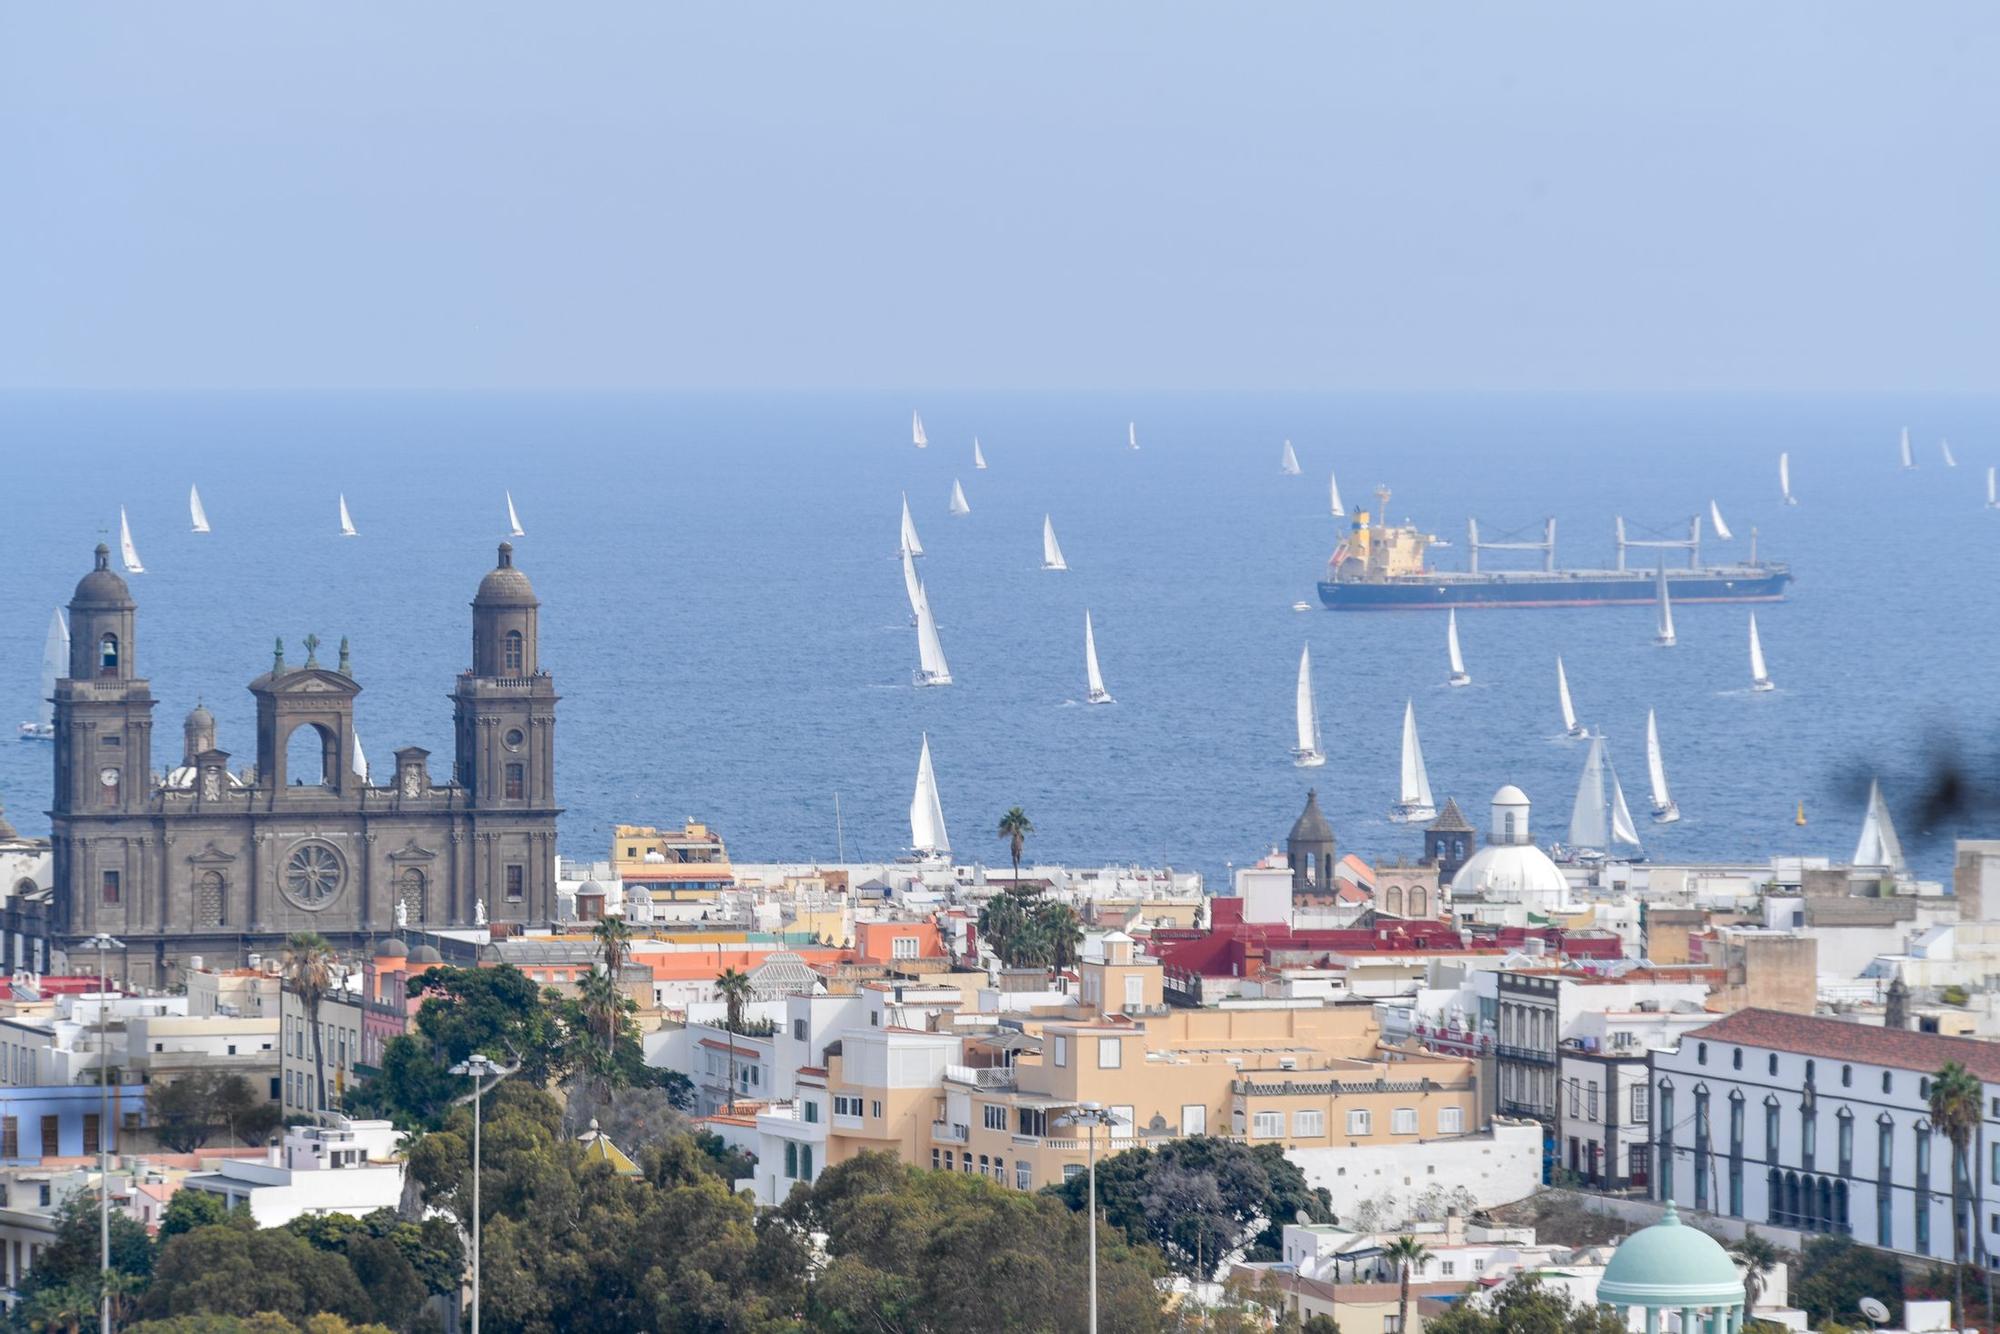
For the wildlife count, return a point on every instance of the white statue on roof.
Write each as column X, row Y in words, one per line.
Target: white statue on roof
column 479, row 912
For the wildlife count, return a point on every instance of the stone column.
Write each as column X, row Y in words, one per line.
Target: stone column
column 1652, row 1320
column 1688, row 1325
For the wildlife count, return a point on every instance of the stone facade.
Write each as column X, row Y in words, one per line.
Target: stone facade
column 204, row 861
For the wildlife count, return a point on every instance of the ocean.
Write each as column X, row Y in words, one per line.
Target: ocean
column 725, row 617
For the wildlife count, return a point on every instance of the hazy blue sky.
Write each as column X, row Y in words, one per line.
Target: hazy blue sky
column 1008, row 195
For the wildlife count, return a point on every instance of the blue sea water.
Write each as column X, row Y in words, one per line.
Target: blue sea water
column 725, row 617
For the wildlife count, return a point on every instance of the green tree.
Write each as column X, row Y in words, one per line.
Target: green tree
column 1015, row 826
column 1835, row 1273
column 614, row 943
column 1405, row 1254
column 734, row 988
column 1319, row 1324
column 188, row 1210
column 1059, row 933
column 69, row 1268
column 188, row 1111
column 1523, row 1306
column 308, row 969
column 1759, row 1255
column 1007, row 926
column 236, row 1268
column 1956, row 1098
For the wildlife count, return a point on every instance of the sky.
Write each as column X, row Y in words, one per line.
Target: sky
column 638, row 194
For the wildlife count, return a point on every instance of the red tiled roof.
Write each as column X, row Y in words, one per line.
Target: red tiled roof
column 1840, row 1040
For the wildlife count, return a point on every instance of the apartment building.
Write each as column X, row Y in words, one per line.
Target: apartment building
column 341, row 1022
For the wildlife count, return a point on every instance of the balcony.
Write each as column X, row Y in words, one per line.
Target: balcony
column 945, row 1132
column 1525, row 1055
column 985, row 1077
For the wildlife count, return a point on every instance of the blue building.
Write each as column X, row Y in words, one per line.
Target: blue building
column 62, row 1120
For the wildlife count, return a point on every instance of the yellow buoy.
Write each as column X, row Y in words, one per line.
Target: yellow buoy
column 1802, row 814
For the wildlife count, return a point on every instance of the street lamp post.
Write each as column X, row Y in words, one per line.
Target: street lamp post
column 480, row 1068
column 103, row 943
column 1093, row 1115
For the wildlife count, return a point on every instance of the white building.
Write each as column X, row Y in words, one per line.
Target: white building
column 350, row 1167
column 1824, row 1126
column 339, row 1049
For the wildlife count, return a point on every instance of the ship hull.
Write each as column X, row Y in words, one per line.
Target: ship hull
column 1577, row 588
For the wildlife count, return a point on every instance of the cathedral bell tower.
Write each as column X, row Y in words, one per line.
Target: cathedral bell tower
column 505, row 710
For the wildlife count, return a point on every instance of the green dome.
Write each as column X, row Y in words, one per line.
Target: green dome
column 1668, row 1265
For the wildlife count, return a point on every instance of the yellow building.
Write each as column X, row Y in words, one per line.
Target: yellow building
column 682, row 865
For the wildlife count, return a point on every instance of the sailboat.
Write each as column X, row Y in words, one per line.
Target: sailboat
column 346, row 519
column 127, row 553
column 1333, row 487
column 1715, row 519
column 1992, row 494
column 1664, row 809
column 513, row 518
column 1132, row 434
column 1600, row 824
column 1909, row 464
column 1289, row 464
column 1459, row 676
column 196, row 514
column 927, row 836
column 55, row 666
column 932, row 670
column 978, row 459
column 1415, row 804
column 1307, row 754
column 911, row 585
column 1570, row 724
column 909, row 540
column 1785, row 478
column 917, row 436
column 360, row 759
column 1949, row 461
column 1098, row 694
column 1760, row 676
column 1664, row 635
column 1052, row 557
column 958, row 505
column 1879, row 845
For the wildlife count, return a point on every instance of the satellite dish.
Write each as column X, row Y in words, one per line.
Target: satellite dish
column 1874, row 1310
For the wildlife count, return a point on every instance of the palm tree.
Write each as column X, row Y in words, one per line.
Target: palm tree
column 307, row 971
column 734, row 988
column 1955, row 1114
column 1061, row 933
column 604, row 1007
column 1015, row 826
column 614, row 945
column 1405, row 1253
column 1758, row 1256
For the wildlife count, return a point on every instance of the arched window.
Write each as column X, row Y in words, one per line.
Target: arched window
column 410, row 893
column 1846, row 1076
column 1419, row 903
column 1393, row 900
column 512, row 653
column 1736, row 1059
column 1701, row 1053
column 211, row 898
column 107, row 656
column 1509, row 826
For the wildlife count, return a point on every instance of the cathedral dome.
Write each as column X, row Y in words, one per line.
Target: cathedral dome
column 1510, row 868
column 392, row 949
column 426, row 954
column 1311, row 826
column 504, row 586
column 102, row 587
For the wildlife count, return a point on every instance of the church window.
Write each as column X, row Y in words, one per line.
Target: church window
column 110, row 884
column 411, row 893
column 312, row 875
column 209, row 898
column 1509, row 823
column 513, row 655
column 107, row 656
column 514, row 738
column 1419, row 903
column 517, row 876
column 517, row 784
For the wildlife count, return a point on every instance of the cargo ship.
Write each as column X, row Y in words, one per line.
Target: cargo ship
column 1384, row 567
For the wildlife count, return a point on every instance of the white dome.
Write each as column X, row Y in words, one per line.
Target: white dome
column 1512, row 873
column 1510, row 817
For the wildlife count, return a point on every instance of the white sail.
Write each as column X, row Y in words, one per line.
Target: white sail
column 1909, row 464
column 360, row 759
column 1458, row 677
column 1562, row 693
column 196, row 514
column 1333, row 487
column 1945, row 447
column 1052, row 557
column 346, row 519
column 1098, row 694
column 1664, row 810
column 1715, row 519
column 1415, row 803
column 513, row 518
column 1624, row 834
column 978, row 459
column 1760, row 676
column 1785, row 478
column 917, row 436
column 1589, row 820
column 1992, row 494
column 1132, row 434
column 932, row 669
column 1879, row 845
column 1307, row 754
column 958, row 505
column 55, row 666
column 911, row 586
column 1664, row 635
column 127, row 553
column 927, row 836
column 1289, row 464
column 910, row 542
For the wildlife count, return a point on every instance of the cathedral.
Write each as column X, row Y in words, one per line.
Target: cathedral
column 202, row 860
